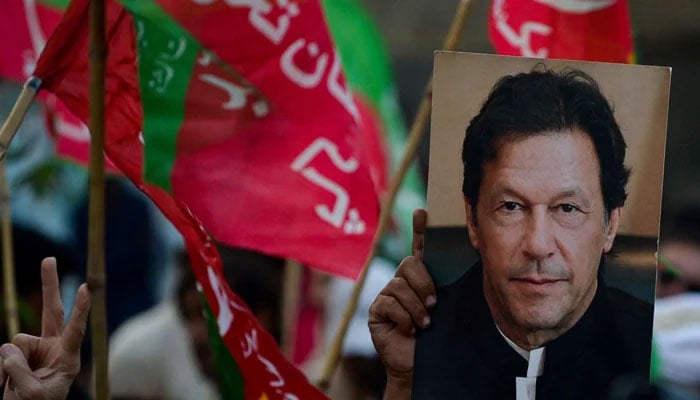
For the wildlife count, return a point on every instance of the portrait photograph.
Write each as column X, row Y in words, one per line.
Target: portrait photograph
column 542, row 227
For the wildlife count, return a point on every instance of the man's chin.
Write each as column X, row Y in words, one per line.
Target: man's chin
column 539, row 319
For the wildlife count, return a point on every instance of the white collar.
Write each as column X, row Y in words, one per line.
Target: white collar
column 534, row 357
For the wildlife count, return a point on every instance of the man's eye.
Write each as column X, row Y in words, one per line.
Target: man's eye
column 510, row 205
column 567, row 208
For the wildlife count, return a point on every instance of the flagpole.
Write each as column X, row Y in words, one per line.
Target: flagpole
column 291, row 295
column 17, row 114
column 97, row 54
column 7, row 133
column 8, row 258
column 414, row 138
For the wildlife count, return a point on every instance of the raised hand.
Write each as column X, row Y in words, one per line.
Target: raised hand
column 43, row 368
column 401, row 308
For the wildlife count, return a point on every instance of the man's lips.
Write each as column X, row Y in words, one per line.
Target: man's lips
column 538, row 280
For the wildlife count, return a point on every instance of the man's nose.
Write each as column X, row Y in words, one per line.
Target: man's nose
column 539, row 242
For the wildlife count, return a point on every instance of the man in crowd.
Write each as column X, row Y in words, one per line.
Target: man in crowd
column 165, row 353
column 544, row 186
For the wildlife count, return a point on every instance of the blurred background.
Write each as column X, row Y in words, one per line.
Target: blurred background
column 144, row 264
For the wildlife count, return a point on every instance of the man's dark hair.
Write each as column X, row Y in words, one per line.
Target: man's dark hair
column 541, row 101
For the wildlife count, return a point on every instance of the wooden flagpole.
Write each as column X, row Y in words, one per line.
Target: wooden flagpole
column 291, row 297
column 19, row 111
column 7, row 133
column 414, row 138
column 8, row 258
column 96, row 223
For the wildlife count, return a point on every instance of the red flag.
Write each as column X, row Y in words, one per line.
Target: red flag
column 70, row 133
column 596, row 30
column 24, row 27
column 303, row 189
column 132, row 96
column 29, row 23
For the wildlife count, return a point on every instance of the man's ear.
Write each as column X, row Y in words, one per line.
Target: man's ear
column 471, row 224
column 611, row 229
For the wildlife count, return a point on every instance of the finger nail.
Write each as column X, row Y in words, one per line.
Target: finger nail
column 430, row 301
column 426, row 322
column 81, row 302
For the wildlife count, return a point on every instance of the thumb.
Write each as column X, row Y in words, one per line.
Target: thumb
column 15, row 365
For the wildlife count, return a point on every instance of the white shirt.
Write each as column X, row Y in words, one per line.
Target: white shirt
column 525, row 387
column 150, row 356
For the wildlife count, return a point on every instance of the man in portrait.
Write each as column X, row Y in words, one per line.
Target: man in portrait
column 544, row 184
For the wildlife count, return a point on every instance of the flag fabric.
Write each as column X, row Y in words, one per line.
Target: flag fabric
column 71, row 136
column 367, row 71
column 367, row 68
column 331, row 199
column 29, row 23
column 595, row 30
column 293, row 174
column 200, row 105
column 25, row 25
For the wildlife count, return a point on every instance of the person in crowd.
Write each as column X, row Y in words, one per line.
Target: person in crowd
column 165, row 352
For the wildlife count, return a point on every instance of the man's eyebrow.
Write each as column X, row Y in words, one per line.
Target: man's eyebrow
column 504, row 191
column 574, row 192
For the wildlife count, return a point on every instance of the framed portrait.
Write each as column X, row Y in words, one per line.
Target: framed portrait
column 447, row 359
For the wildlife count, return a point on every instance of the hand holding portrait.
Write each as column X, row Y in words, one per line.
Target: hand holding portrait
column 401, row 308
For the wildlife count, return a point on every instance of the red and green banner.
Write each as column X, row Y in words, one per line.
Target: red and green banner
column 255, row 139
column 259, row 136
column 368, row 71
column 595, row 30
column 366, row 67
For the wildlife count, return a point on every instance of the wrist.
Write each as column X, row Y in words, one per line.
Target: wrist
column 398, row 387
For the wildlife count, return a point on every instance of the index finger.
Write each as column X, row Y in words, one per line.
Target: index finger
column 75, row 329
column 418, row 278
column 420, row 218
column 52, row 307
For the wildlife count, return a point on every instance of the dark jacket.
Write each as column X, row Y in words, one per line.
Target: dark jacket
column 462, row 354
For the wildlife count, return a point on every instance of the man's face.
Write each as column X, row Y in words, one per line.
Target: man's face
column 541, row 229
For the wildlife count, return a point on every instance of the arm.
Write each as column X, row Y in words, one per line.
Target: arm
column 399, row 309
column 43, row 368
